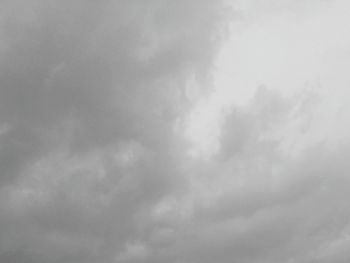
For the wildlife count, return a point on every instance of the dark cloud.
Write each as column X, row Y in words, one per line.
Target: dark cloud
column 89, row 95
column 112, row 69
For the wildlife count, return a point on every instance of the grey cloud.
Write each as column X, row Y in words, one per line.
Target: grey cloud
column 272, row 207
column 89, row 93
column 93, row 170
column 243, row 128
column 81, row 62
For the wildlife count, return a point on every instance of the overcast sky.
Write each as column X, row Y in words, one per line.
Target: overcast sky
column 162, row 131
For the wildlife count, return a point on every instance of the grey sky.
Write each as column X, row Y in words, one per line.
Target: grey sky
column 174, row 131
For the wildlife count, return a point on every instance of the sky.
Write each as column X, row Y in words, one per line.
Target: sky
column 188, row 131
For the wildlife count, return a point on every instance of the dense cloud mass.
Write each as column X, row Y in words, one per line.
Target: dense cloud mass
column 90, row 93
column 174, row 131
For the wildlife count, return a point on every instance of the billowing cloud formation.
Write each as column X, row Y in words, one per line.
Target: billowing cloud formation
column 113, row 149
column 90, row 92
column 98, row 71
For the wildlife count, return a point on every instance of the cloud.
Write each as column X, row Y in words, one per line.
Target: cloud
column 113, row 70
column 259, row 202
column 114, row 149
column 89, row 96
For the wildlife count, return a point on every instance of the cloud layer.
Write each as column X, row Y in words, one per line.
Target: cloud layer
column 126, row 136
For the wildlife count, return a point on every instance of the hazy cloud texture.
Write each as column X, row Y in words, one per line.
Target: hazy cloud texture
column 174, row 131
